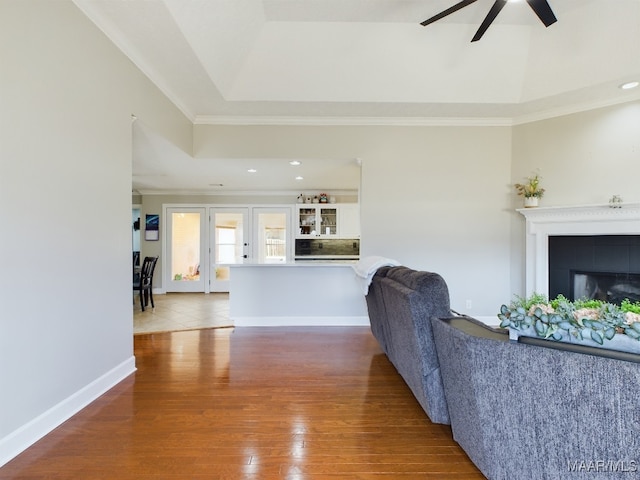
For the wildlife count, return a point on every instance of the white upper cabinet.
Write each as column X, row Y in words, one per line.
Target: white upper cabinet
column 328, row 220
column 349, row 220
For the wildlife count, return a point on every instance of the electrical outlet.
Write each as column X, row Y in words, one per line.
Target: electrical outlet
column 469, row 304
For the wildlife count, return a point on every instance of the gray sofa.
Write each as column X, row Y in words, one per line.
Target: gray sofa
column 400, row 302
column 532, row 409
column 527, row 411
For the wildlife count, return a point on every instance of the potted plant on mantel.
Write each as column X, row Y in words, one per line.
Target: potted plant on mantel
column 531, row 191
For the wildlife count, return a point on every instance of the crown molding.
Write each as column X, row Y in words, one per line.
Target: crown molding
column 353, row 121
column 245, row 193
column 414, row 121
column 577, row 108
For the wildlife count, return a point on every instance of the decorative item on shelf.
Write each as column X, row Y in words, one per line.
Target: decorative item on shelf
column 588, row 322
column 615, row 201
column 316, row 199
column 300, row 198
column 308, row 199
column 531, row 191
column 324, row 198
column 332, row 199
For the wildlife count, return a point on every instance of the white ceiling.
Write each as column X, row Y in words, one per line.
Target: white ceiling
column 371, row 62
column 161, row 167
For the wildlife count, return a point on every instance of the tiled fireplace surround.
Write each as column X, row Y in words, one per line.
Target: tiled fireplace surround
column 544, row 222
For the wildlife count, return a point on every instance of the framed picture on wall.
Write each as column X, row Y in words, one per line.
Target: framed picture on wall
column 152, row 227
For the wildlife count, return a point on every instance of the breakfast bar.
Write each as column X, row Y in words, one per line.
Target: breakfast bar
column 301, row 293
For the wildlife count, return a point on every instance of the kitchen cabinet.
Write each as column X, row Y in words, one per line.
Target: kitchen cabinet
column 317, row 220
column 349, row 220
column 328, row 220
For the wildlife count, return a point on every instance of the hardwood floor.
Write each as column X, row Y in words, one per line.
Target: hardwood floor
column 251, row 403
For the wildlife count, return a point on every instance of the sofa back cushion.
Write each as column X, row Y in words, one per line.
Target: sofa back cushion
column 409, row 298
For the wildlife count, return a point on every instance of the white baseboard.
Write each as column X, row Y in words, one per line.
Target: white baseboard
column 298, row 321
column 25, row 436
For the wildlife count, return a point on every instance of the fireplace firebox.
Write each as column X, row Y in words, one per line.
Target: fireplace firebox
column 603, row 267
column 609, row 287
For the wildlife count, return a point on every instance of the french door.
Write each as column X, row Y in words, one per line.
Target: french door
column 229, row 236
column 271, row 234
column 185, row 250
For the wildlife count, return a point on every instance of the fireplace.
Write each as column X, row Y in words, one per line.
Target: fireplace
column 603, row 267
column 609, row 237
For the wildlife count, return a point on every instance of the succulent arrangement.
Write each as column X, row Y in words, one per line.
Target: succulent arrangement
column 554, row 320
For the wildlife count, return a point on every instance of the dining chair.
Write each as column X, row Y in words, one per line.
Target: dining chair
column 144, row 283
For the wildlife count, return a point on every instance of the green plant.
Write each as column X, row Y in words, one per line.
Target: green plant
column 627, row 306
column 528, row 302
column 588, row 303
column 583, row 318
column 531, row 188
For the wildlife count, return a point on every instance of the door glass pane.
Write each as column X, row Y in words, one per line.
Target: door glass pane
column 185, row 247
column 229, row 246
column 226, row 251
column 272, row 237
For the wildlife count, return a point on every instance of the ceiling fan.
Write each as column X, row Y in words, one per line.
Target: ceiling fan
column 540, row 7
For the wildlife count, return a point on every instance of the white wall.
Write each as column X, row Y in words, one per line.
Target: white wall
column 433, row 198
column 66, row 329
column 437, row 199
column 583, row 158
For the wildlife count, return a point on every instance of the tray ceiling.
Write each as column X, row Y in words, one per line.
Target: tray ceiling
column 370, row 61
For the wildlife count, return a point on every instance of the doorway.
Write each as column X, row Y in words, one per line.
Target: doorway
column 185, row 250
column 199, row 257
column 229, row 234
column 272, row 232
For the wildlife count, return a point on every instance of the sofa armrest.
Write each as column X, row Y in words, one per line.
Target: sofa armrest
column 523, row 411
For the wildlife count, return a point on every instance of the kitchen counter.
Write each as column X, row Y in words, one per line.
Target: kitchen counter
column 297, row 263
column 300, row 293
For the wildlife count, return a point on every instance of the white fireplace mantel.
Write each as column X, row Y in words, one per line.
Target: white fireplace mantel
column 544, row 222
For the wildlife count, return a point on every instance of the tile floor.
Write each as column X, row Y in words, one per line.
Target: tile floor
column 182, row 311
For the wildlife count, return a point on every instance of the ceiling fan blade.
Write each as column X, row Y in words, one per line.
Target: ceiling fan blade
column 543, row 10
column 491, row 16
column 448, row 11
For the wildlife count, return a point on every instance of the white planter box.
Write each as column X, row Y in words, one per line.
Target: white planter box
column 619, row 342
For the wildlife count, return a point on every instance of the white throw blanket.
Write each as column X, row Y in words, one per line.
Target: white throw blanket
column 366, row 268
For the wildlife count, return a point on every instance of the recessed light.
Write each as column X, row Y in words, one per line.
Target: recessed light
column 252, row 170
column 299, row 178
column 629, row 85
column 294, row 162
